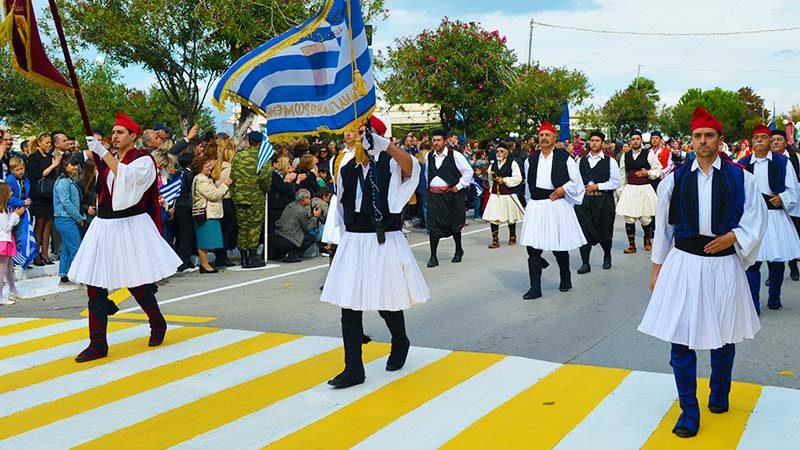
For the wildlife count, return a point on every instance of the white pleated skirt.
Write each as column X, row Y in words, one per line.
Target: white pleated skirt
column 637, row 201
column 367, row 276
column 702, row 302
column 123, row 253
column 502, row 209
column 332, row 232
column 780, row 242
column 551, row 226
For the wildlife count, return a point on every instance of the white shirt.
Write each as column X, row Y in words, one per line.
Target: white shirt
column 461, row 164
column 794, row 212
column 400, row 190
column 664, row 170
column 614, row 180
column 761, row 172
column 516, row 174
column 748, row 234
column 131, row 182
column 652, row 159
column 574, row 188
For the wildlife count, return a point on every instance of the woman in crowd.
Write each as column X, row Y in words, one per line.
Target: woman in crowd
column 281, row 193
column 42, row 170
column 207, row 197
column 230, row 231
column 67, row 213
column 308, row 167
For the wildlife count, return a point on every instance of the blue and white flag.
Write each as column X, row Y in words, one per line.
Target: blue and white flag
column 27, row 250
column 478, row 187
column 564, row 122
column 264, row 154
column 305, row 81
column 172, row 190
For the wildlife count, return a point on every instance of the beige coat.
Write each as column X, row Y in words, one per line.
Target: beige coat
column 206, row 195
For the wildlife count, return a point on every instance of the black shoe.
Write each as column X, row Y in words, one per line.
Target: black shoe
column 245, row 254
column 65, row 280
column 156, row 338
column 585, row 268
column 321, row 288
column 346, row 380
column 433, row 262
column 564, row 287
column 290, row 258
column 204, row 270
column 397, row 358
column 716, row 409
column 457, row 257
column 38, row 262
column 794, row 274
column 683, row 432
column 184, row 267
column 531, row 295
column 774, row 306
column 607, row 262
column 545, row 264
column 256, row 261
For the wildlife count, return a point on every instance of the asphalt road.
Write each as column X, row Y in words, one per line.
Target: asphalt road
column 475, row 306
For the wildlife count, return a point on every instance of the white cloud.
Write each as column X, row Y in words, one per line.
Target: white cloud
column 611, row 61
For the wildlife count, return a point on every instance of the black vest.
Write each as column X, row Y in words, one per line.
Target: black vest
column 600, row 173
column 640, row 162
column 448, row 171
column 559, row 175
column 352, row 176
column 505, row 171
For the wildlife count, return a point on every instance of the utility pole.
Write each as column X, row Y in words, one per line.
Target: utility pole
column 638, row 71
column 530, row 42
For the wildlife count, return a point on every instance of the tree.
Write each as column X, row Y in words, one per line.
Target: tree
column 753, row 102
column 666, row 122
column 460, row 66
column 186, row 44
column 725, row 105
column 633, row 108
column 647, row 87
column 536, row 94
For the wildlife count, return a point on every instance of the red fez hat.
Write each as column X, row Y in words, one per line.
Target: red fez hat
column 128, row 123
column 761, row 129
column 377, row 125
column 704, row 119
column 547, row 126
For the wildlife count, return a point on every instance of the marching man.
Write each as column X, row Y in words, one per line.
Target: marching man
column 503, row 206
column 710, row 221
column 374, row 268
column 554, row 187
column 637, row 200
column 123, row 247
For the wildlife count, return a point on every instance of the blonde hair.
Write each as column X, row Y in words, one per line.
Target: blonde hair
column 225, row 152
column 282, row 165
column 15, row 162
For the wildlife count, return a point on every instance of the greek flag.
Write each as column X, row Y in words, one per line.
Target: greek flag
column 172, row 190
column 314, row 78
column 264, row 154
column 26, row 242
column 478, row 187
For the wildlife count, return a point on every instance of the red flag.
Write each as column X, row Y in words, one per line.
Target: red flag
column 28, row 55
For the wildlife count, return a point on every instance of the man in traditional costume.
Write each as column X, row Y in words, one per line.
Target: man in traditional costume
column 503, row 206
column 374, row 268
column 601, row 179
column 710, row 222
column 777, row 182
column 637, row 200
column 779, row 146
column 448, row 172
column 553, row 188
column 123, row 247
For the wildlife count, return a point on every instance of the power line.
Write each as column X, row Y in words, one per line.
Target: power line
column 641, row 33
column 721, row 70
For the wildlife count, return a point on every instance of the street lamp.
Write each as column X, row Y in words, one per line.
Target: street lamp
column 530, row 41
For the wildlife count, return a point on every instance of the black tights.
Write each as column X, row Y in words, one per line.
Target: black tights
column 456, row 239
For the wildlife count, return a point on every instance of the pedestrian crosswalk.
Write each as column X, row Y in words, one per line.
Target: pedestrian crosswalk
column 210, row 388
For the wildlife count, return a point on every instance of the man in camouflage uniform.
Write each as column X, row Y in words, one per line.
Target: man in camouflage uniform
column 249, row 191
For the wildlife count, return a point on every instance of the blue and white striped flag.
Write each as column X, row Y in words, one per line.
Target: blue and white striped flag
column 478, row 187
column 305, row 81
column 264, row 154
column 172, row 190
column 27, row 249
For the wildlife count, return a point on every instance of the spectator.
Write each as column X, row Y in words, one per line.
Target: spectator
column 293, row 230
column 182, row 144
column 230, row 229
column 20, row 190
column 9, row 218
column 307, row 173
column 322, row 202
column 6, row 142
column 43, row 172
column 151, row 141
column 207, row 196
column 480, row 183
column 182, row 223
column 281, row 193
column 88, row 194
column 324, row 156
column 67, row 212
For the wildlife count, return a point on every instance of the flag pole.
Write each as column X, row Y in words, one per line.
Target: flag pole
column 87, row 125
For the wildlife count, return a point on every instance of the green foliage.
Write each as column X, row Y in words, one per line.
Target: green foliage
column 725, row 105
column 753, row 102
column 633, row 108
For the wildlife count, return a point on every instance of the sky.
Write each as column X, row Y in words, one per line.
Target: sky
column 769, row 63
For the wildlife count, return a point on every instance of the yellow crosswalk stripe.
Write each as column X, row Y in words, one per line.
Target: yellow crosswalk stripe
column 125, row 387
column 541, row 416
column 171, row 318
column 355, row 422
column 53, row 340
column 66, row 366
column 208, row 413
column 717, row 431
column 25, row 326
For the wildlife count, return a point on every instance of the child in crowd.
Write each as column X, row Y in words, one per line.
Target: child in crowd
column 8, row 219
column 480, row 183
column 20, row 190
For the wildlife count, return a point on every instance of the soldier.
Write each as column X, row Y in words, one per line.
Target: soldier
column 249, row 189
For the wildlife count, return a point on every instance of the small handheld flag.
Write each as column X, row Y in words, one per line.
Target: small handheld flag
column 172, row 190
